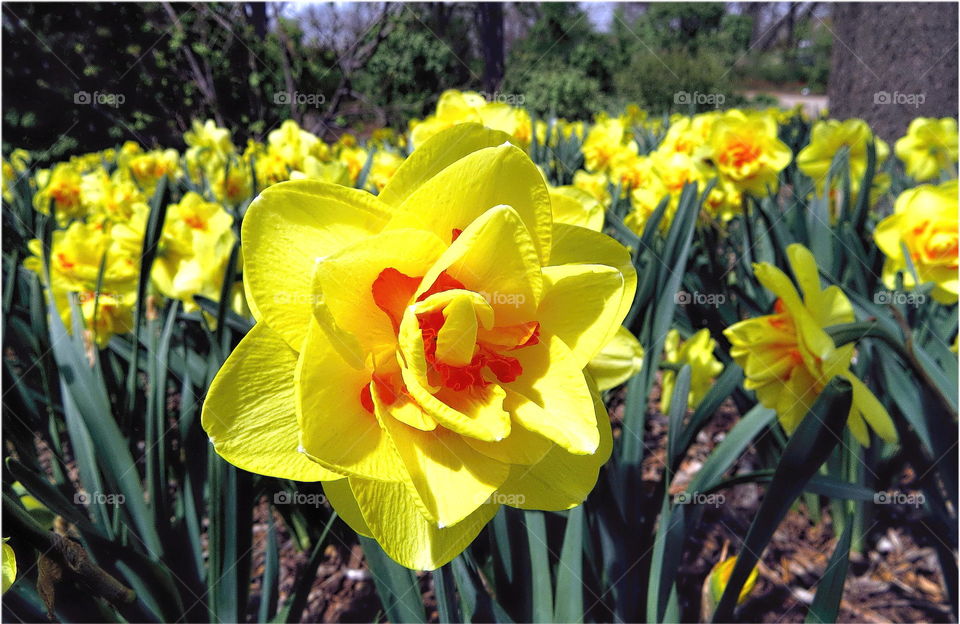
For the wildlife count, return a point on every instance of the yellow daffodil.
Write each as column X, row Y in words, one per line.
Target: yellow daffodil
column 193, row 250
column 76, row 255
column 924, row 220
column 13, row 168
column 787, row 356
column 207, row 145
column 292, row 145
column 929, row 148
column 688, row 135
column 146, row 169
column 334, row 172
column 830, row 136
column 113, row 196
column 422, row 352
column 384, row 165
column 232, row 182
column 354, row 159
column 746, row 151
column 631, row 171
column 606, row 142
column 644, row 200
column 697, row 352
column 456, row 107
column 59, row 190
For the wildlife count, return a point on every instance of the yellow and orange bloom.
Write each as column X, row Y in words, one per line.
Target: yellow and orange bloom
column 422, row 352
column 929, row 148
column 746, row 151
column 829, row 137
column 59, row 192
column 787, row 356
column 924, row 220
column 76, row 256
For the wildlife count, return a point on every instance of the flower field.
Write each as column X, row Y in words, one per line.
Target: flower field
column 449, row 346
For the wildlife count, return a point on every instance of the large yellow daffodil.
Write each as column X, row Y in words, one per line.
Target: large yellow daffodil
column 422, row 352
column 787, row 356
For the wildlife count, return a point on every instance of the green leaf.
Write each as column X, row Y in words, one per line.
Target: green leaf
column 569, row 597
column 396, row 585
column 539, row 566
column 826, row 603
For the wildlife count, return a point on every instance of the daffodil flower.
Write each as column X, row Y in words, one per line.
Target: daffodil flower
column 924, row 221
column 787, row 356
column 422, row 352
column 697, row 352
column 929, row 148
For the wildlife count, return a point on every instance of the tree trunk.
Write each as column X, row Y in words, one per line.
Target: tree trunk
column 490, row 18
column 893, row 62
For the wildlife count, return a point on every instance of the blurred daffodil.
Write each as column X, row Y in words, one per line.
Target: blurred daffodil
column 929, row 148
column 697, row 352
column 924, row 223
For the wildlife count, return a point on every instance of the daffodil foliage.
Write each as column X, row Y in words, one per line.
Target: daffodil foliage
column 488, row 346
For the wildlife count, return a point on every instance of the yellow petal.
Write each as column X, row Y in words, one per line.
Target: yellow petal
column 335, row 428
column 446, row 477
column 560, row 480
column 804, row 268
column 575, row 206
column 460, row 193
column 522, row 446
column 577, row 245
column 495, row 257
column 457, row 338
column 405, row 535
column 344, row 503
column 554, row 399
column 285, row 231
column 441, row 151
column 250, row 410
column 345, row 281
column 580, row 305
column 619, row 360
column 872, row 410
